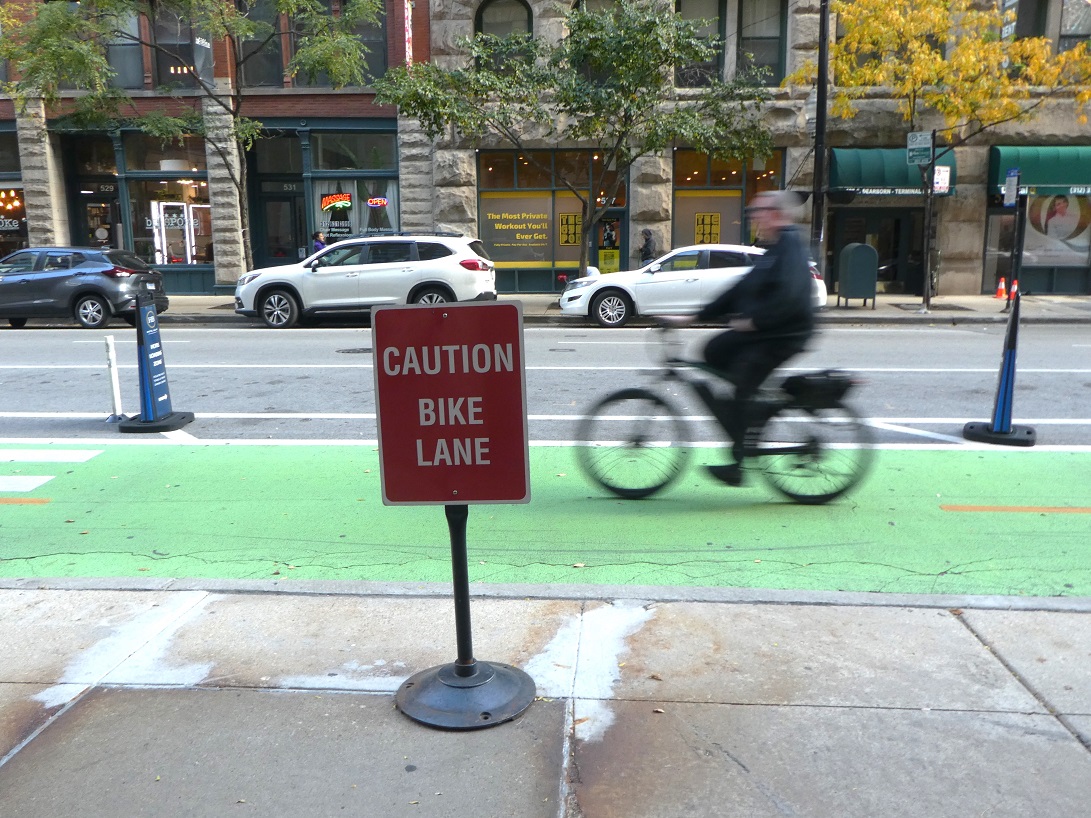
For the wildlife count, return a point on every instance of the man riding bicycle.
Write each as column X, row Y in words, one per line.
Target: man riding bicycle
column 771, row 318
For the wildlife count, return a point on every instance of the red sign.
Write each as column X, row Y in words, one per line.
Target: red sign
column 336, row 201
column 450, row 394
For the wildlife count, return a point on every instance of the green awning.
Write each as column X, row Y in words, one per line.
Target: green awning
column 880, row 171
column 1047, row 171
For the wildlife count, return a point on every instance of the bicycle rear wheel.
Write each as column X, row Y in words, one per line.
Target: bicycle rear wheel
column 813, row 455
column 633, row 443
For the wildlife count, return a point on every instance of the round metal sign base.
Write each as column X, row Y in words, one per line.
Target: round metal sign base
column 458, row 697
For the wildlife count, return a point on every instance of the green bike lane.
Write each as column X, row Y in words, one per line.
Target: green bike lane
column 959, row 521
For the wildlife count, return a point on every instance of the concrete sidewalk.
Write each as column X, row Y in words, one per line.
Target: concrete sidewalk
column 181, row 699
column 889, row 309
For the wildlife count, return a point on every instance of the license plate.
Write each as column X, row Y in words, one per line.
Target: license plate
column 149, row 285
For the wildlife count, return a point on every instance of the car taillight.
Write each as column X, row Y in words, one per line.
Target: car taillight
column 474, row 264
column 119, row 272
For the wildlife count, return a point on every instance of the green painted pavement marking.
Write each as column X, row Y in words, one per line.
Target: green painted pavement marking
column 315, row 512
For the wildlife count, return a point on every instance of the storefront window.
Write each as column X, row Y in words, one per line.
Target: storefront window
column 93, row 155
column 351, row 207
column 262, row 59
column 143, row 152
column 710, row 193
column 9, row 153
column 13, row 219
column 496, row 170
column 534, row 170
column 354, row 151
column 279, row 154
column 172, row 221
column 1058, row 231
column 572, row 167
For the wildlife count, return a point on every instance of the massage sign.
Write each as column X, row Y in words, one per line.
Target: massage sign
column 451, row 404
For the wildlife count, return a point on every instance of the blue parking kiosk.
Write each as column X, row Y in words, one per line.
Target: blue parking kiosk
column 156, row 413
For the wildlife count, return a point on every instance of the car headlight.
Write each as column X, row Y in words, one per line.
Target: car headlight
column 246, row 279
column 579, row 284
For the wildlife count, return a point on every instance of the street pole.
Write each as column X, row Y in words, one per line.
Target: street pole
column 818, row 196
column 928, row 172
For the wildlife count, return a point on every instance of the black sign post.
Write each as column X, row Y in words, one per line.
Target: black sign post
column 156, row 414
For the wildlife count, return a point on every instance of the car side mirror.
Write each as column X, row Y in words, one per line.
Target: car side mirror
column 655, row 268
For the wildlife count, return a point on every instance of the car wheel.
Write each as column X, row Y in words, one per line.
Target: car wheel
column 612, row 308
column 18, row 323
column 279, row 309
column 431, row 295
column 92, row 312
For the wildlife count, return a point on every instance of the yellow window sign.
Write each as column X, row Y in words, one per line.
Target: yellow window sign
column 571, row 225
column 609, row 261
column 706, row 229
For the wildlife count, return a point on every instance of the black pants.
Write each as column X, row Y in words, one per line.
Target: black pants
column 747, row 361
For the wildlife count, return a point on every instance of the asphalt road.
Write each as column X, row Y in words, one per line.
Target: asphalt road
column 922, row 383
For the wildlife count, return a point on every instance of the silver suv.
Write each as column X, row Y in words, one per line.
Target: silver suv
column 361, row 273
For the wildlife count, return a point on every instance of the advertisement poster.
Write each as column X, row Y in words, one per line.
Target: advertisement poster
column 1058, row 231
column 517, row 228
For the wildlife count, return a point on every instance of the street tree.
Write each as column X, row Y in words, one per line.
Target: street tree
column 608, row 84
column 56, row 48
column 957, row 59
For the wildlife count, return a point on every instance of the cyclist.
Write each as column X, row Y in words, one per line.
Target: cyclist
column 770, row 318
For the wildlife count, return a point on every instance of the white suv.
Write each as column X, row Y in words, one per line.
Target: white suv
column 361, row 273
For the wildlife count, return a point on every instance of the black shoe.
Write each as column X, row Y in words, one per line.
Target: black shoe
column 731, row 474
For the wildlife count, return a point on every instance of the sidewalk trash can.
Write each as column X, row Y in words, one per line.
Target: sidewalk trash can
column 857, row 273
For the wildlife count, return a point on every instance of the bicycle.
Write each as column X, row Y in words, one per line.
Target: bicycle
column 811, row 446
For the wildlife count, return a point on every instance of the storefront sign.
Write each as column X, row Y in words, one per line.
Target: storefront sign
column 450, row 396
column 1058, row 231
column 706, row 228
column 10, row 225
column 377, row 201
column 336, row 201
column 517, row 227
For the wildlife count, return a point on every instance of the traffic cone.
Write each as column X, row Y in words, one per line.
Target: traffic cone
column 1001, row 289
column 1014, row 287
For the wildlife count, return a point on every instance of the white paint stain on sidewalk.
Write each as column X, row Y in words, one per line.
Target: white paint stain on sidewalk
column 100, row 662
column 582, row 662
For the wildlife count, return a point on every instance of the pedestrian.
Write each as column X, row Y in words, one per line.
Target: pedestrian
column 648, row 248
column 319, row 241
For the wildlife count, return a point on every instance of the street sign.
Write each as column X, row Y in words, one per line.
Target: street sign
column 941, row 179
column 919, row 148
column 450, row 393
column 1011, row 187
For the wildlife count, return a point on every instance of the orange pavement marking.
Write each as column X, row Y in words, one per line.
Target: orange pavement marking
column 1032, row 509
column 24, row 501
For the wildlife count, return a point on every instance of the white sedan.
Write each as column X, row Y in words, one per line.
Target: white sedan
column 679, row 283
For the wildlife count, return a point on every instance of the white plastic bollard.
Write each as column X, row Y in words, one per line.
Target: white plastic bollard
column 111, row 364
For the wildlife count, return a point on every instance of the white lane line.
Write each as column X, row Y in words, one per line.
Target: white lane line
column 23, row 482
column 163, row 440
column 651, row 369
column 566, row 418
column 47, row 455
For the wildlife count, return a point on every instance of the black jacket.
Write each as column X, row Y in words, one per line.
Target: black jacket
column 775, row 295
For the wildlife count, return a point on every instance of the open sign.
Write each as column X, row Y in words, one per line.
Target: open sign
column 377, row 201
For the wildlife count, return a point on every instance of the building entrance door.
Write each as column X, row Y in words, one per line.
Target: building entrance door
column 897, row 234
column 282, row 232
column 99, row 223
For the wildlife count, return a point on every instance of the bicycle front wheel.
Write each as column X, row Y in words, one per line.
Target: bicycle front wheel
column 633, row 443
column 814, row 455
